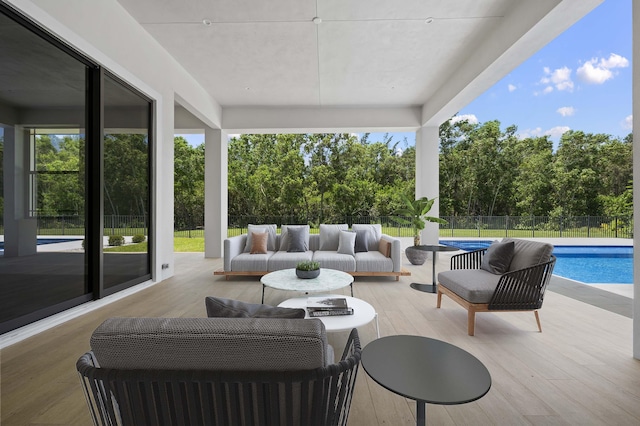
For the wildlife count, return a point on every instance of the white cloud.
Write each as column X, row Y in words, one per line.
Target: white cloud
column 554, row 132
column 530, row 133
column 628, row 122
column 598, row 70
column 566, row 111
column 559, row 78
column 511, row 87
column 557, row 131
column 471, row 118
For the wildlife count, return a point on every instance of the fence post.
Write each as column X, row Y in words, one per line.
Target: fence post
column 506, row 227
column 533, row 226
column 588, row 226
column 616, row 227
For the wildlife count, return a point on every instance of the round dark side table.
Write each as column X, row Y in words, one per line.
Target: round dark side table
column 426, row 370
column 431, row 288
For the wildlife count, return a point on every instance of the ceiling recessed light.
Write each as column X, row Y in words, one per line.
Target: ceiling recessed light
column 247, row 88
column 317, row 20
column 428, row 20
column 207, row 22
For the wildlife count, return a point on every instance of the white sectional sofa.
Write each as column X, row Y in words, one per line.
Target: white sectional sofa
column 360, row 251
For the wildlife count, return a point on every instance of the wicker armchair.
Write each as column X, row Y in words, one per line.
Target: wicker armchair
column 521, row 288
column 222, row 395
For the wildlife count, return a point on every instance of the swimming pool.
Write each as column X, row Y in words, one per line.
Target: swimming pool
column 588, row 264
column 42, row 241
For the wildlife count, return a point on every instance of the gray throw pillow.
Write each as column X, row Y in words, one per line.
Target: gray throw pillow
column 498, row 257
column 362, row 240
column 297, row 239
column 347, row 242
column 228, row 308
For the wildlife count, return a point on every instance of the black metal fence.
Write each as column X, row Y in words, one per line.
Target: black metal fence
column 457, row 226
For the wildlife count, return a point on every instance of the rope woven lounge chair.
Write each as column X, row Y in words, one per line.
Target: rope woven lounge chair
column 217, row 371
column 512, row 275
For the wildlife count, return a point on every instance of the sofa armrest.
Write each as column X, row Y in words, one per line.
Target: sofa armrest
column 523, row 289
column 232, row 247
column 470, row 260
column 396, row 251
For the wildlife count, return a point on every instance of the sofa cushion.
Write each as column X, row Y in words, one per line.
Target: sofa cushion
column 335, row 260
column 259, row 242
column 373, row 261
column 231, row 344
column 228, row 308
column 271, row 241
column 330, row 236
column 287, row 260
column 528, row 253
column 347, row 242
column 299, row 234
column 473, row 285
column 374, row 230
column 248, row 262
column 498, row 257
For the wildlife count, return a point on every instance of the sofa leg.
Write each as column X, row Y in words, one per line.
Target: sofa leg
column 538, row 321
column 439, row 301
column 471, row 321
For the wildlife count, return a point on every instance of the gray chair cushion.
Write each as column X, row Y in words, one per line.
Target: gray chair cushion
column 347, row 242
column 335, row 260
column 527, row 253
column 498, row 257
column 228, row 308
column 251, row 262
column 473, row 285
column 230, row 344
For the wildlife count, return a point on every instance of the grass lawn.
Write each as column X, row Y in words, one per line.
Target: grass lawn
column 179, row 245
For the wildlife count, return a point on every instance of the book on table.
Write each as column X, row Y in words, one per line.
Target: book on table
column 328, row 306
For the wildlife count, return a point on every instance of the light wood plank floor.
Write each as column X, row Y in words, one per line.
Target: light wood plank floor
column 578, row 371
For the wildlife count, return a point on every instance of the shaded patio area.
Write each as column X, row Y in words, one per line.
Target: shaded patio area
column 579, row 370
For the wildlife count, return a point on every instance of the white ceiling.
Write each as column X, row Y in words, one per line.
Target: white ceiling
column 364, row 53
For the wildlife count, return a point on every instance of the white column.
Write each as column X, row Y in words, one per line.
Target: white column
column 636, row 178
column 162, row 264
column 427, row 176
column 216, row 202
column 20, row 231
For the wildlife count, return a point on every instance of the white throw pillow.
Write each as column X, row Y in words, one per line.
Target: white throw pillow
column 347, row 243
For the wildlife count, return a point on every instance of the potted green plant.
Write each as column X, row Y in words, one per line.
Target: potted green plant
column 415, row 214
column 307, row 269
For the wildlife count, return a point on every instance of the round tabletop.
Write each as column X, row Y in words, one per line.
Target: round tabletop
column 363, row 313
column 426, row 369
column 435, row 248
column 286, row 279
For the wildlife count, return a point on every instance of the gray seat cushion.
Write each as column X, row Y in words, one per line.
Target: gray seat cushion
column 373, row 261
column 287, row 260
column 528, row 253
column 230, row 344
column 473, row 285
column 335, row 260
column 251, row 262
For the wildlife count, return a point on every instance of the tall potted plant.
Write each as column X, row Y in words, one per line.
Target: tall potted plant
column 415, row 214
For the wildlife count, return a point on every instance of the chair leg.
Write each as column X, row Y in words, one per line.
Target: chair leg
column 471, row 321
column 538, row 320
column 439, row 300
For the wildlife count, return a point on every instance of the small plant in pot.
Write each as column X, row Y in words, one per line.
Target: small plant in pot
column 308, row 269
column 415, row 214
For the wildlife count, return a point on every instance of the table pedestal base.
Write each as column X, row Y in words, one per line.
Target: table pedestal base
column 421, row 413
column 427, row 288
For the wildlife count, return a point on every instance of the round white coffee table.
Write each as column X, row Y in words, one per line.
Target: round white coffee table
column 286, row 279
column 363, row 313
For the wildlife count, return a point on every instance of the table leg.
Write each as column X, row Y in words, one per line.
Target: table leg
column 263, row 294
column 421, row 413
column 351, row 285
column 428, row 288
column 377, row 326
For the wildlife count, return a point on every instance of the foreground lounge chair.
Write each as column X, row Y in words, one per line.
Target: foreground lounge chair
column 509, row 276
column 217, row 371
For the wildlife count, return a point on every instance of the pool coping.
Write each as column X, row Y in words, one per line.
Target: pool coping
column 594, row 296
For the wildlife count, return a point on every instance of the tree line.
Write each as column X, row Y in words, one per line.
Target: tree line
column 484, row 171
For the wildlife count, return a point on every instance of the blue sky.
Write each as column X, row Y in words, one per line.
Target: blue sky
column 579, row 81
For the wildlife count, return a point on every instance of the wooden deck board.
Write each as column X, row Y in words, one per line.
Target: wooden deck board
column 579, row 370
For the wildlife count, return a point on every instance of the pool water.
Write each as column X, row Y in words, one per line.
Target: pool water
column 588, row 264
column 41, row 241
